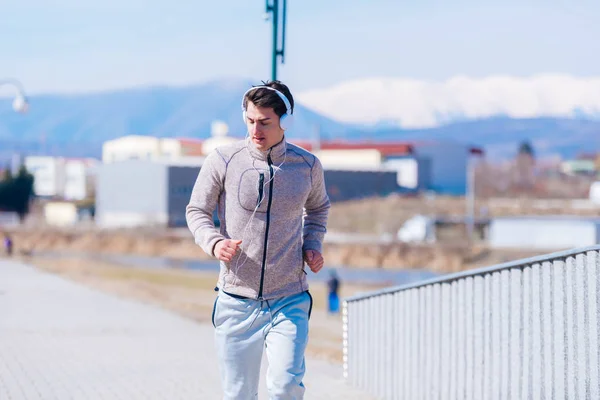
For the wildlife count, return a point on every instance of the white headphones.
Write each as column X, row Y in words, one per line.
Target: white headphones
column 286, row 121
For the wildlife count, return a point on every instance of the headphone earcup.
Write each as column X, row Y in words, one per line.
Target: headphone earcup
column 244, row 116
column 286, row 121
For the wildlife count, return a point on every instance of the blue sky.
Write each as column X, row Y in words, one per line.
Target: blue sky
column 78, row 45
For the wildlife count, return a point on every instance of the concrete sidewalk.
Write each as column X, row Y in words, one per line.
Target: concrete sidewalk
column 60, row 340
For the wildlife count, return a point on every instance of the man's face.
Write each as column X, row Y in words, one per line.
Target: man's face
column 263, row 126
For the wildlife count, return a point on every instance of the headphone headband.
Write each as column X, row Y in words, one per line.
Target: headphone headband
column 288, row 106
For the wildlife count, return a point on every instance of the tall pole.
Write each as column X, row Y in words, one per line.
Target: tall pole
column 275, row 39
column 277, row 51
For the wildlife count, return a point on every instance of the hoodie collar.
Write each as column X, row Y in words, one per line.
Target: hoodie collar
column 276, row 152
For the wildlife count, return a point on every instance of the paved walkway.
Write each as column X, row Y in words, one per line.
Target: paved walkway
column 60, row 340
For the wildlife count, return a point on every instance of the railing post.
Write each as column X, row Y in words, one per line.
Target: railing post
column 345, row 337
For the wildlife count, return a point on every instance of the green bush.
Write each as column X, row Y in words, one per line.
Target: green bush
column 16, row 192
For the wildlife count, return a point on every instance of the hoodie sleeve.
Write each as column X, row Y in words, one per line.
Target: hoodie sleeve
column 203, row 202
column 316, row 211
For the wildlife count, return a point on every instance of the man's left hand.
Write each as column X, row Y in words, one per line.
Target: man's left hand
column 314, row 259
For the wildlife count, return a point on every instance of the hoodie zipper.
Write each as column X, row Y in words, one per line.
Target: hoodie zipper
column 264, row 260
column 261, row 184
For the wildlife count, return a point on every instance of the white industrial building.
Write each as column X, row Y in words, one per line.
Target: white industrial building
column 145, row 192
column 66, row 213
column 595, row 192
column 79, row 178
column 544, row 233
column 438, row 166
column 49, row 175
column 138, row 147
column 60, row 177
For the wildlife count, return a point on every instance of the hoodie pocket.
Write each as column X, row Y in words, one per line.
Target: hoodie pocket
column 311, row 304
column 253, row 190
column 214, row 311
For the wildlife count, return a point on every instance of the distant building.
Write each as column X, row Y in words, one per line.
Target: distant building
column 595, row 192
column 156, row 192
column 544, row 233
column 438, row 166
column 145, row 192
column 80, row 175
column 65, row 214
column 390, row 158
column 447, row 164
column 579, row 167
column 60, row 177
column 219, row 137
column 418, row 229
column 342, row 185
column 49, row 175
column 9, row 219
column 137, row 147
column 593, row 157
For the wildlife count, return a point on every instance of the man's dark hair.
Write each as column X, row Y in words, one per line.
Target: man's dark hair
column 262, row 97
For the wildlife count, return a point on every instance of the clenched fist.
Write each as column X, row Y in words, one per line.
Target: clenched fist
column 226, row 249
column 314, row 259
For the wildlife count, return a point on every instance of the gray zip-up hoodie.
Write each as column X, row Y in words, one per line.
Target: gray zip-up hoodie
column 274, row 201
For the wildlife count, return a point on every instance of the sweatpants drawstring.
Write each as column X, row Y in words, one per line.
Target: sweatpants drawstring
column 270, row 313
column 259, row 311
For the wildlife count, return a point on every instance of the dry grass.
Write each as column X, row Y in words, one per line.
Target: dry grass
column 441, row 257
column 161, row 243
column 370, row 216
column 387, row 214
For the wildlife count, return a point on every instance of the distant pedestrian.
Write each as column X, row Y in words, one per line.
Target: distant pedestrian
column 8, row 245
column 333, row 286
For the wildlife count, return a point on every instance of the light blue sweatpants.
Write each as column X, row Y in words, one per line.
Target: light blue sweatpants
column 245, row 327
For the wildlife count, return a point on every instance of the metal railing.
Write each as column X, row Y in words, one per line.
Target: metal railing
column 523, row 330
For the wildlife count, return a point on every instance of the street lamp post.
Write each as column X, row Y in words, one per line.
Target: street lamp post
column 20, row 103
column 273, row 8
column 474, row 157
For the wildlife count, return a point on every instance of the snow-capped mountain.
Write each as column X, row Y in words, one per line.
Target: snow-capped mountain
column 409, row 103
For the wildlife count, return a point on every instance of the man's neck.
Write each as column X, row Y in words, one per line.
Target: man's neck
column 273, row 151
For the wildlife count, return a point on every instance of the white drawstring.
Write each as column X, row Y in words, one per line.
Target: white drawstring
column 258, row 311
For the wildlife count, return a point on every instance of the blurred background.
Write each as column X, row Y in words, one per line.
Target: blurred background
column 453, row 135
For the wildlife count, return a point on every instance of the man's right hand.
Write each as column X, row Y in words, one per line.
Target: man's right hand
column 226, row 249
